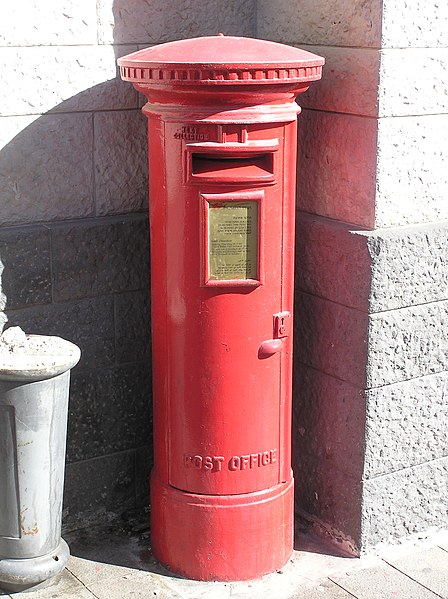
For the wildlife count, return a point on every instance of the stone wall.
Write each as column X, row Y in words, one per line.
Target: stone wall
column 371, row 359
column 371, row 372
column 73, row 221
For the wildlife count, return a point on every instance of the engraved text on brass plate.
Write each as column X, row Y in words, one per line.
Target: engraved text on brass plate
column 233, row 240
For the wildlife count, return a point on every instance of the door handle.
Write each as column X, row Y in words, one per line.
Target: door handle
column 269, row 348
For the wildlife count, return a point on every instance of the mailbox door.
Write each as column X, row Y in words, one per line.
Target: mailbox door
column 225, row 243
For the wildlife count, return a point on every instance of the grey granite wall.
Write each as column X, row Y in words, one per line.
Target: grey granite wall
column 371, row 384
column 371, row 359
column 371, row 356
column 88, row 281
column 74, row 252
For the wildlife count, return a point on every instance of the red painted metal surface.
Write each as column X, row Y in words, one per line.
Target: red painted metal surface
column 222, row 158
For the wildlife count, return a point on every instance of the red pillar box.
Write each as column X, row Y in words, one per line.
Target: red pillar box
column 222, row 159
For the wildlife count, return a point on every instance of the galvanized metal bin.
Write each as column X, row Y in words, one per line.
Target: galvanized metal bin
column 34, row 390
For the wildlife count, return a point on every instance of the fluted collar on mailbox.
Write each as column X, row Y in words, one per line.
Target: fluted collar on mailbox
column 223, row 62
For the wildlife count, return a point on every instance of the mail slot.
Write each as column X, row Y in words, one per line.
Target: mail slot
column 233, row 163
column 215, row 168
column 222, row 157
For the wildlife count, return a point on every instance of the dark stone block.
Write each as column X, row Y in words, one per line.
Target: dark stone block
column 98, row 489
column 334, row 499
column 133, row 327
column 143, row 465
column 329, row 422
column 331, row 338
column 83, row 436
column 100, row 256
column 26, row 276
column 332, row 261
column 110, row 411
column 328, row 450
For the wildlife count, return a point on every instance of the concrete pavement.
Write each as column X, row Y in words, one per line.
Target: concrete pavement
column 116, row 563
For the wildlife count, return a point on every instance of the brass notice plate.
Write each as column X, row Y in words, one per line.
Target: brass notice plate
column 233, row 240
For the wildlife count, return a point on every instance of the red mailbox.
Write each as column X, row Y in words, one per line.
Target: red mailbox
column 222, row 158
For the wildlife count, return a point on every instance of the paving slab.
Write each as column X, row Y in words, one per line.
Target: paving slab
column 315, row 558
column 63, row 586
column 281, row 585
column 192, row 589
column 138, row 585
column 428, row 567
column 382, row 582
column 440, row 539
column 324, row 590
column 91, row 572
column 115, row 562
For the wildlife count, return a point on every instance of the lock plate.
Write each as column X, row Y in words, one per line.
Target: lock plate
column 282, row 325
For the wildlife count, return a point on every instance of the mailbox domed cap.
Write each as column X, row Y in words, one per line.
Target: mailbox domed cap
column 221, row 60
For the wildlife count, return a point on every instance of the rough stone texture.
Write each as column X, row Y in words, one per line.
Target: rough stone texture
column 319, row 22
column 406, row 424
column 102, row 419
column 143, row 465
column 133, row 326
column 334, row 498
column 386, row 581
column 63, row 79
column 404, row 427
column 407, row 343
column 63, row 166
column 121, row 164
column 66, row 22
column 100, row 256
column 406, row 78
column 3, row 317
column 35, row 159
column 332, row 338
column 349, row 82
column 409, row 266
column 412, row 177
column 405, row 502
column 88, row 281
column 328, row 443
column 337, row 166
column 373, row 271
column 327, row 413
column 420, row 24
column 332, row 261
column 154, row 21
column 26, row 276
column 96, row 489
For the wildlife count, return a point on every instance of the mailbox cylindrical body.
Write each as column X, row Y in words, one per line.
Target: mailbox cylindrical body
column 222, row 158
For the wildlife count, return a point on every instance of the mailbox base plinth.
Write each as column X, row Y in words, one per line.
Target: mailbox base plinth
column 225, row 538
